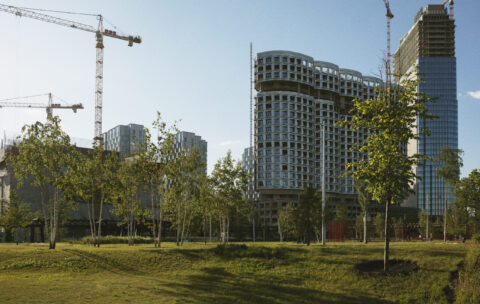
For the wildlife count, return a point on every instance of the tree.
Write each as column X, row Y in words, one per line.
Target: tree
column 364, row 202
column 165, row 153
column 18, row 214
column 467, row 199
column 286, row 225
column 422, row 224
column 184, row 190
column 449, row 171
column 149, row 178
column 45, row 160
column 379, row 224
column 307, row 215
column 126, row 203
column 391, row 119
column 230, row 183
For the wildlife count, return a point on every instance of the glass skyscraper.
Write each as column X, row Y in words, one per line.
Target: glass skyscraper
column 430, row 44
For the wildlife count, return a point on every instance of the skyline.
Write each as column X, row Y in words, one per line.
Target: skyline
column 205, row 79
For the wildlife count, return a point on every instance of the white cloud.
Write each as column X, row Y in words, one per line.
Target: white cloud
column 229, row 143
column 475, row 94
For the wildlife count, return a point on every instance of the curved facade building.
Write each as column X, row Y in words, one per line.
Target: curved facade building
column 295, row 95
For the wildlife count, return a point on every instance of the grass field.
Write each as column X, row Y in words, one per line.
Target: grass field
column 263, row 273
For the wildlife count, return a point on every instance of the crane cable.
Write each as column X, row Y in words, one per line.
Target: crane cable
column 61, row 12
column 74, row 13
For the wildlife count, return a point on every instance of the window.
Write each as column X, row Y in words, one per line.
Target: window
column 260, row 61
column 269, row 59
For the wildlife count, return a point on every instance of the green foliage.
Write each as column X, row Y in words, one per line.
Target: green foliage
column 391, row 120
column 422, row 223
column 341, row 214
column 379, row 222
column 359, row 226
column 451, row 161
column 46, row 159
column 111, row 239
column 230, row 183
column 464, row 214
column 398, row 225
column 17, row 215
column 468, row 284
column 285, row 222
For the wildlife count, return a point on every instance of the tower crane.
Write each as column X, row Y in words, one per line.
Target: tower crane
column 389, row 16
column 450, row 8
column 99, row 33
column 10, row 103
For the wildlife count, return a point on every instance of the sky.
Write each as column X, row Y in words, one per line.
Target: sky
column 193, row 62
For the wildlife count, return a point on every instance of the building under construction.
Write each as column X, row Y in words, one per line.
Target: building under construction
column 430, row 44
column 296, row 95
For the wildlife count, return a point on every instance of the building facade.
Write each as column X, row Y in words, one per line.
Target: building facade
column 430, row 44
column 124, row 139
column 296, row 95
column 185, row 141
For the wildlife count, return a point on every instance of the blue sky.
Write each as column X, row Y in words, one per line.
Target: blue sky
column 193, row 63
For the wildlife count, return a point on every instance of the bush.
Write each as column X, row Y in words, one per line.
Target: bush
column 468, row 285
column 476, row 238
column 111, row 239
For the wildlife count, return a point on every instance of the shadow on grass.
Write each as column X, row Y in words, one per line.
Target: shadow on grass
column 216, row 285
column 103, row 262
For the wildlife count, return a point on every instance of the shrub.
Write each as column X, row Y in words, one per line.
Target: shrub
column 468, row 285
column 111, row 239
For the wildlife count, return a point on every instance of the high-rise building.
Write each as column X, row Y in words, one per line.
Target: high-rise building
column 124, row 139
column 185, row 141
column 430, row 44
column 295, row 96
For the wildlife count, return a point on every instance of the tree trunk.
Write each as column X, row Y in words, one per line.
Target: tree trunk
column 44, row 212
column 91, row 221
column 280, row 231
column 160, row 226
column 205, row 230
column 253, row 228
column 228, row 229
column 210, row 236
column 223, row 225
column 387, row 239
column 183, row 225
column 99, row 230
column 153, row 218
column 445, row 218
column 365, row 240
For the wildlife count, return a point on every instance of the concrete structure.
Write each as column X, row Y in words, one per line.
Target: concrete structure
column 248, row 165
column 430, row 44
column 185, row 141
column 295, row 96
column 124, row 139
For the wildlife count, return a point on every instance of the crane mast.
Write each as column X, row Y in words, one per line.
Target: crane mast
column 389, row 16
column 99, row 33
column 450, row 8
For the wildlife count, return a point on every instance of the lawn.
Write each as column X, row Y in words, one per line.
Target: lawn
column 263, row 273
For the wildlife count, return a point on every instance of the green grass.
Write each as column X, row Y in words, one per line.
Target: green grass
column 262, row 273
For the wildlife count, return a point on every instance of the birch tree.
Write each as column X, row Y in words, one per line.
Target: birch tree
column 44, row 159
column 449, row 171
column 230, row 183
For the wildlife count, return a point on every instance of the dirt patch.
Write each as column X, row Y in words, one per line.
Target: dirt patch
column 375, row 267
